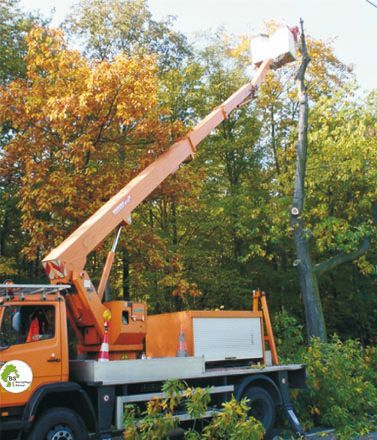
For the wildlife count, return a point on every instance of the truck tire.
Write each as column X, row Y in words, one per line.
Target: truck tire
column 262, row 406
column 59, row 424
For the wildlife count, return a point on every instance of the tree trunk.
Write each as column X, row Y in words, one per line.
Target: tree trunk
column 315, row 322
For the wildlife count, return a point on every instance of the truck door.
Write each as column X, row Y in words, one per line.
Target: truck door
column 29, row 333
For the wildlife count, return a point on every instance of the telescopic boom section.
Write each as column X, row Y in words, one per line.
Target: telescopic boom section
column 69, row 258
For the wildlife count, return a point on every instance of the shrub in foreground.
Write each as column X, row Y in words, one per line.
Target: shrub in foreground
column 342, row 379
column 160, row 416
column 342, row 387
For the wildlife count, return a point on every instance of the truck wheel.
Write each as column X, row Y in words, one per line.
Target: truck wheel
column 262, row 406
column 59, row 424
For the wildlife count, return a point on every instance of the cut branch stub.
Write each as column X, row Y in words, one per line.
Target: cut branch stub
column 295, row 211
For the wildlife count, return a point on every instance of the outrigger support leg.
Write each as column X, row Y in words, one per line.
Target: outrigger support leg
column 287, row 405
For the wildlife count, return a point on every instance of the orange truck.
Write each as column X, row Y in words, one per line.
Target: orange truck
column 123, row 355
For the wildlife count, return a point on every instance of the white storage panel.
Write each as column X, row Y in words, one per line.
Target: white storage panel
column 227, row 338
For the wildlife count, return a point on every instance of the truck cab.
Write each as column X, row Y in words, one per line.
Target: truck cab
column 33, row 344
column 44, row 395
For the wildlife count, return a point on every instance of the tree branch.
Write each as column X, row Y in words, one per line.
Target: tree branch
column 342, row 258
column 299, row 76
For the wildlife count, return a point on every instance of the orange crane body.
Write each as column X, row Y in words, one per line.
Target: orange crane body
column 66, row 263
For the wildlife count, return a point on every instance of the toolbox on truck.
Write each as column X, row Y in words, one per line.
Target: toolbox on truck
column 216, row 335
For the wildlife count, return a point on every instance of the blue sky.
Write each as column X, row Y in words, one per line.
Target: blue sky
column 351, row 23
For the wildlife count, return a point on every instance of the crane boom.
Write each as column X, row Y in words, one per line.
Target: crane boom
column 71, row 255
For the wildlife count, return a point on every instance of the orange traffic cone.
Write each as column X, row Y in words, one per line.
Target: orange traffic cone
column 104, row 350
column 182, row 345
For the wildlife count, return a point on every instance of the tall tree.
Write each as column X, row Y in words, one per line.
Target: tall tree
column 106, row 28
column 109, row 27
column 308, row 281
column 227, row 159
column 348, row 245
column 14, row 26
column 73, row 125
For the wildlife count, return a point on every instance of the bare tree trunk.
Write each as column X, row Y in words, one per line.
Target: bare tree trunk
column 315, row 322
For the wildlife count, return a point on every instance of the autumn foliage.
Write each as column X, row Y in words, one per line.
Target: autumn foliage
column 81, row 130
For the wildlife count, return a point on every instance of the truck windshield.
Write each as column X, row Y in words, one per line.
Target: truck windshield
column 26, row 323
